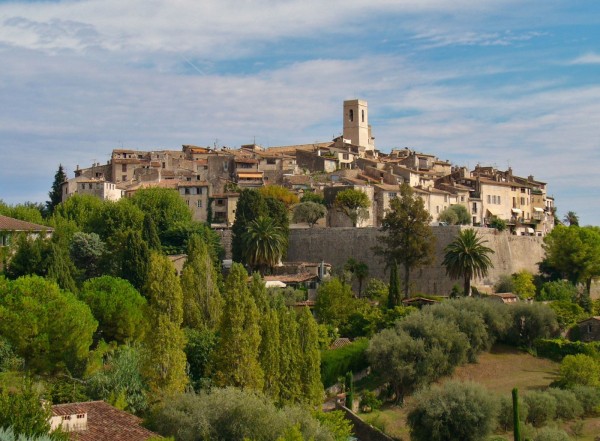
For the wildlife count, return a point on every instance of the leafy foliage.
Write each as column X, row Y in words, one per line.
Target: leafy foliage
column 165, row 206
column 409, row 240
column 55, row 194
column 354, row 204
column 464, row 411
column 523, row 285
column 280, row 193
column 466, row 257
column 334, row 302
column 456, row 214
column 118, row 306
column 264, row 243
column 47, row 327
column 336, row 362
column 309, row 212
column 581, row 370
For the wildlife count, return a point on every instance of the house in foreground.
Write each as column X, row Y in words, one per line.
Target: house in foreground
column 10, row 227
column 589, row 329
column 98, row 421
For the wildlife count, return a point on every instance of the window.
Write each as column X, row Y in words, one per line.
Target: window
column 474, row 207
column 437, row 209
column 351, row 115
column 589, row 328
column 220, row 202
column 199, row 204
column 522, row 201
column 499, row 200
column 489, row 199
column 462, row 198
column 83, row 186
column 271, row 161
column 445, row 198
column 225, row 166
column 124, row 167
column 164, row 165
column 363, row 115
column 80, row 416
column 199, row 190
column 124, row 177
column 345, row 156
column 186, row 191
column 392, row 195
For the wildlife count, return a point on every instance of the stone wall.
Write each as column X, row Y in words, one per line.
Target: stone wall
column 337, row 245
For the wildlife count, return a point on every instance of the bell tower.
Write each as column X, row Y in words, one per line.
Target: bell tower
column 356, row 124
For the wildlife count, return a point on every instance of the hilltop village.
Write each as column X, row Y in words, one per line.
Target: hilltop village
column 210, row 179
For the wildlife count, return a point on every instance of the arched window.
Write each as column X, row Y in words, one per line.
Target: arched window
column 351, row 115
column 363, row 115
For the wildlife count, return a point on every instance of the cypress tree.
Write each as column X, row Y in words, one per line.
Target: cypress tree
column 290, row 390
column 349, row 383
column 236, row 359
column 199, row 281
column 55, row 193
column 394, row 288
column 310, row 362
column 61, row 268
column 270, row 353
column 135, row 258
column 150, row 233
column 258, row 290
column 165, row 360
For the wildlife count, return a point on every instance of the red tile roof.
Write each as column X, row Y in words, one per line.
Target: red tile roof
column 11, row 224
column 104, row 422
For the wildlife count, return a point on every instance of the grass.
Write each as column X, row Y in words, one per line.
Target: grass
column 500, row 371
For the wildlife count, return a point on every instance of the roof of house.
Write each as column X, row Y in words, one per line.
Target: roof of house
column 104, row 422
column 12, row 224
column 292, row 278
column 340, row 343
column 597, row 317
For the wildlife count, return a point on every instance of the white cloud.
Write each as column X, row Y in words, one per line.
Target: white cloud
column 589, row 58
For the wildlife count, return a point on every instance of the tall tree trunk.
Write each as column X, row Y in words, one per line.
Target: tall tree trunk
column 467, row 285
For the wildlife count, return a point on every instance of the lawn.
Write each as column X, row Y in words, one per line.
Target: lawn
column 500, row 370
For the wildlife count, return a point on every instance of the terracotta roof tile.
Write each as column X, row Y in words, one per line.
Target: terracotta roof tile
column 105, row 423
column 11, row 224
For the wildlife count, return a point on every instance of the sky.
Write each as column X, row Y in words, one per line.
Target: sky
column 503, row 83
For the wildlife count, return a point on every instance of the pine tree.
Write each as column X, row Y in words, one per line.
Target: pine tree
column 56, row 191
column 150, row 233
column 310, row 363
column 165, row 360
column 202, row 300
column 236, row 359
column 290, row 390
column 135, row 258
column 394, row 288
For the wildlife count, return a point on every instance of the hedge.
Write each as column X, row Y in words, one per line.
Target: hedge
column 557, row 349
column 336, row 362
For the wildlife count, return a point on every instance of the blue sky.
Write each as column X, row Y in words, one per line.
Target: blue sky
column 491, row 82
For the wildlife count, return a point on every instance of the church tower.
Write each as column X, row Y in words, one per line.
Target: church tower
column 357, row 130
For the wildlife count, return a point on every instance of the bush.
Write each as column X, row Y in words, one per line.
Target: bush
column 336, row 362
column 589, row 397
column 558, row 348
column 369, row 402
column 580, row 369
column 558, row 290
column 542, row 407
column 530, row 322
column 568, row 406
column 505, row 413
column 551, row 434
column 504, row 284
column 461, row 411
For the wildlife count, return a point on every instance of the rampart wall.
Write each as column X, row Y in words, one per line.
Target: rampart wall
column 337, row 245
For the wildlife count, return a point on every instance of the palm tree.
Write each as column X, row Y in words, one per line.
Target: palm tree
column 571, row 218
column 467, row 257
column 264, row 243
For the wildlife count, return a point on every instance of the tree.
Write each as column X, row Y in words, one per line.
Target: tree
column 150, row 233
column 250, row 206
column 310, row 358
column 47, row 327
column 454, row 411
column 236, row 358
column 309, row 212
column 334, row 302
column 581, row 370
column 280, row 193
column 24, row 411
column 359, row 270
column 466, row 257
column 79, row 209
column 310, row 196
column 523, row 285
column 571, row 219
column 199, row 348
column 408, row 240
column 165, row 206
column 456, row 214
column 113, row 219
column 574, row 252
column 558, row 290
column 165, row 362
column 394, row 287
column 119, row 308
column 120, row 379
column 202, row 299
column 135, row 259
column 265, row 243
column 290, row 390
column 529, row 322
column 354, row 204
column 87, row 251
column 56, row 191
column 28, row 258
column 270, row 352
column 60, row 268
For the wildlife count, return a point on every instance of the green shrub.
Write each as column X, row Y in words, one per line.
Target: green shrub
column 542, row 407
column 336, row 362
column 568, row 406
column 558, row 348
column 505, row 413
column 369, row 402
column 589, row 397
column 551, row 434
